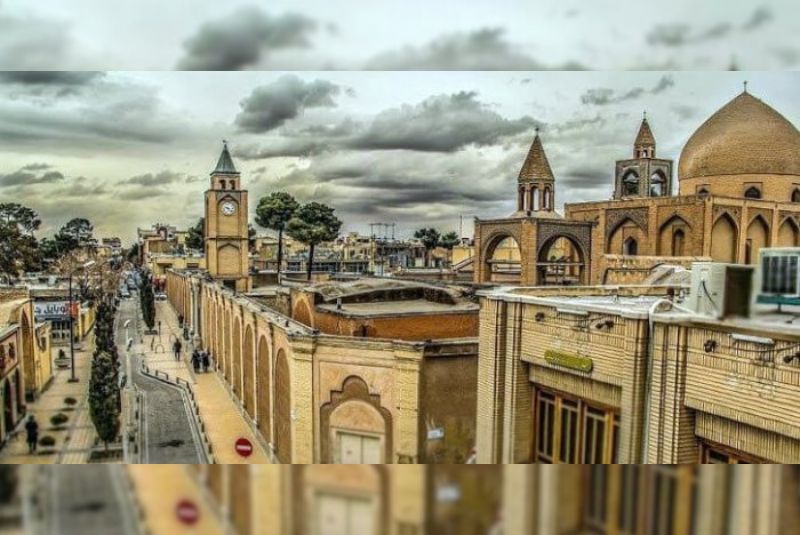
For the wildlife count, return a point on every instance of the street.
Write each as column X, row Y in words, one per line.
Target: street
column 81, row 500
column 167, row 433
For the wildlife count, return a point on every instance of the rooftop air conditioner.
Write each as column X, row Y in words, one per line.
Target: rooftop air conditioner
column 779, row 276
column 721, row 290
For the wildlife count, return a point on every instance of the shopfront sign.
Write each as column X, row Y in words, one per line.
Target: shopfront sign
column 572, row 361
column 51, row 310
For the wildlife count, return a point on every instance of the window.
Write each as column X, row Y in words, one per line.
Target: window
column 796, row 195
column 752, row 193
column 658, row 184
column 711, row 453
column 630, row 184
column 630, row 247
column 572, row 431
column 703, row 192
column 638, row 500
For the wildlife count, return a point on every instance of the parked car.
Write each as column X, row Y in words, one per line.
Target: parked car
column 161, row 297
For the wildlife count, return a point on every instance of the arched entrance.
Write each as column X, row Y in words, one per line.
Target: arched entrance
column 788, row 234
column 8, row 408
column 724, row 240
column 262, row 379
column 283, row 409
column 757, row 239
column 249, row 361
column 227, row 338
column 561, row 262
column 503, row 260
column 236, row 379
column 627, row 232
column 672, row 237
column 26, row 358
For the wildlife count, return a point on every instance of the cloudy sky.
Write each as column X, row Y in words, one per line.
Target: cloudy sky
column 398, row 35
column 129, row 149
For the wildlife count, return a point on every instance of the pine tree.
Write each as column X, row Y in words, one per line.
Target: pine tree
column 104, row 397
column 148, row 302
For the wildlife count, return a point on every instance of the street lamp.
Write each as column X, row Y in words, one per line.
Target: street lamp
column 73, row 378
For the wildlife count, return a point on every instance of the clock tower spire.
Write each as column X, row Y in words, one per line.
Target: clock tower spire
column 226, row 225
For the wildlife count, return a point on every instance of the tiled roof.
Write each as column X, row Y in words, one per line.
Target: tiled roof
column 536, row 166
column 225, row 163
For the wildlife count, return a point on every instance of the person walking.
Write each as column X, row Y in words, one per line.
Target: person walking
column 32, row 430
column 176, row 347
column 196, row 360
column 206, row 361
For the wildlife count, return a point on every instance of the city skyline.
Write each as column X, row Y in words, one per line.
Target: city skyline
column 413, row 148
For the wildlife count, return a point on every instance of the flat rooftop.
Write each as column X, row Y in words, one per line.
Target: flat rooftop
column 398, row 308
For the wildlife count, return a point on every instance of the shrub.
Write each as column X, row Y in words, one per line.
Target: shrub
column 59, row 419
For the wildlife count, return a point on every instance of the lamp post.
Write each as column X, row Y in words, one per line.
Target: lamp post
column 73, row 378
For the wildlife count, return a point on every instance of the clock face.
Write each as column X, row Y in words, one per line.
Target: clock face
column 228, row 208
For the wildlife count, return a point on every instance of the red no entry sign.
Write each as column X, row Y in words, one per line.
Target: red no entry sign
column 187, row 512
column 244, row 447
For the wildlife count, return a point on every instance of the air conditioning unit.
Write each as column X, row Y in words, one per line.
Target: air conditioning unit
column 779, row 276
column 721, row 290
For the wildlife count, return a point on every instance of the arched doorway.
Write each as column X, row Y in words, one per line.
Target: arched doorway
column 672, row 237
column 236, row 380
column 8, row 407
column 678, row 243
column 620, row 236
column 788, row 234
column 263, row 389
column 248, row 363
column 561, row 262
column 757, row 238
column 724, row 240
column 503, row 260
column 630, row 247
column 26, row 357
column 283, row 409
column 227, row 339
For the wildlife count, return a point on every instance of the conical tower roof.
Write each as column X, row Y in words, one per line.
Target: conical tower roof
column 536, row 166
column 644, row 139
column 225, row 163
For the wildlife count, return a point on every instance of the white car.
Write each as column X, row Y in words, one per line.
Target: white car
column 161, row 297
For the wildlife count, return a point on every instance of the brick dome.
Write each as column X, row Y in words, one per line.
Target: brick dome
column 745, row 137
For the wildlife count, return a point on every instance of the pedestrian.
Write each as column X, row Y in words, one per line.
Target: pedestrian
column 32, row 430
column 177, row 346
column 196, row 360
column 206, row 361
column 130, row 343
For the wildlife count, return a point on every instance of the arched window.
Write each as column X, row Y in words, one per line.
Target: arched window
column 678, row 239
column 547, row 201
column 535, row 203
column 658, row 185
column 796, row 195
column 752, row 193
column 703, row 192
column 630, row 184
column 521, row 199
column 630, row 247
column 222, row 184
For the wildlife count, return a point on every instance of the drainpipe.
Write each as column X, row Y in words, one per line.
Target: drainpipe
column 651, row 312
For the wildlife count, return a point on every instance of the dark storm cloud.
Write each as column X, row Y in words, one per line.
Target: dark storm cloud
column 271, row 105
column 603, row 96
column 28, row 175
column 485, row 49
column 161, row 178
column 760, row 17
column 57, row 78
column 31, row 42
column 441, row 123
column 680, row 34
column 585, row 178
column 243, row 39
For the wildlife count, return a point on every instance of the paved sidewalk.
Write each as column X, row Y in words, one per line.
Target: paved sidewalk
column 159, row 488
column 75, row 441
column 223, row 419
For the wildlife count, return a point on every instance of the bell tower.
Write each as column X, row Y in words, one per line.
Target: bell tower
column 226, row 226
column 644, row 175
column 536, row 188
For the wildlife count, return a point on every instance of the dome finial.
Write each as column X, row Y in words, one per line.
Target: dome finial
column 745, row 86
column 644, row 115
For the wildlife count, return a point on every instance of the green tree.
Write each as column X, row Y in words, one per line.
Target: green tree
column 19, row 250
column 274, row 212
column 76, row 232
column 104, row 397
column 133, row 254
column 148, row 301
column 448, row 241
column 195, row 238
column 312, row 224
column 430, row 238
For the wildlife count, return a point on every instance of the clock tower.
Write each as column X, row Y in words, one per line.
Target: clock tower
column 226, row 228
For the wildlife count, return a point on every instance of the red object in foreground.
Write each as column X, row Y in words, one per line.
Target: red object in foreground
column 187, row 512
column 244, row 447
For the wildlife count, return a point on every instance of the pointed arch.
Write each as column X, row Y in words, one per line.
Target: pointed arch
column 283, row 409
column 757, row 239
column 672, row 236
column 630, row 183
column 724, row 239
column 788, row 233
column 752, row 192
column 630, row 247
column 658, row 184
column 249, row 370
column 626, row 228
column 236, row 375
column 263, row 389
column 796, row 195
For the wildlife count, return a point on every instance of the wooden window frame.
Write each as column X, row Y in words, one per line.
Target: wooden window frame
column 707, row 447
